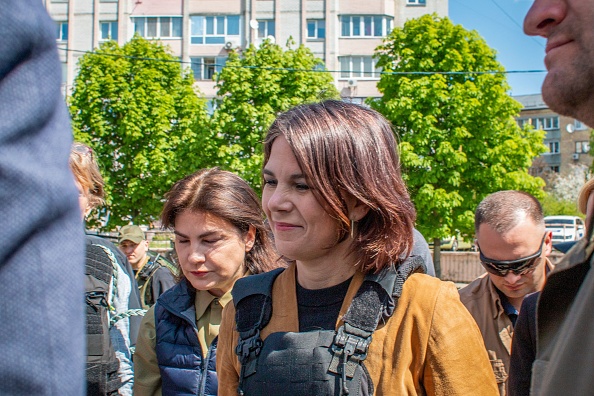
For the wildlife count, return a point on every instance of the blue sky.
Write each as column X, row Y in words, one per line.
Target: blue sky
column 499, row 22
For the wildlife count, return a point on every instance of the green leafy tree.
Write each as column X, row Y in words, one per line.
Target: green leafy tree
column 141, row 115
column 253, row 88
column 552, row 205
column 458, row 138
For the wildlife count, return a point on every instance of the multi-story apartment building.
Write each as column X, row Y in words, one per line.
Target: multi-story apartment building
column 567, row 139
column 344, row 33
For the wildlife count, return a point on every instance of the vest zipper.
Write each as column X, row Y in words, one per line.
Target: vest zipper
column 204, row 370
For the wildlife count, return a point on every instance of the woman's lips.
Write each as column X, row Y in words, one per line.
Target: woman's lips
column 284, row 226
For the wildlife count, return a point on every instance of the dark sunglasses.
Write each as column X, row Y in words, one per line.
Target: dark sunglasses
column 519, row 266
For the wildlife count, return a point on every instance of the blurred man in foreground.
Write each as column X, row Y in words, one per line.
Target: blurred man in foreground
column 565, row 313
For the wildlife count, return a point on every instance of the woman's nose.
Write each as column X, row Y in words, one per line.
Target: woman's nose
column 197, row 256
column 277, row 200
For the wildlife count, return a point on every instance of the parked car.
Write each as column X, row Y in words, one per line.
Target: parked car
column 565, row 228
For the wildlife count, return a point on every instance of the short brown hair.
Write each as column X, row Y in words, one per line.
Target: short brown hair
column 86, row 171
column 229, row 197
column 343, row 148
column 503, row 210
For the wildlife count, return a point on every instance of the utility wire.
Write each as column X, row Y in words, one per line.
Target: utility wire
column 516, row 23
column 309, row 70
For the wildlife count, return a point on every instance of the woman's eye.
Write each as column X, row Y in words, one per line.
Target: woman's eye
column 269, row 182
column 301, row 186
column 179, row 240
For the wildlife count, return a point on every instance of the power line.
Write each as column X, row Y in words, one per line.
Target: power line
column 309, row 70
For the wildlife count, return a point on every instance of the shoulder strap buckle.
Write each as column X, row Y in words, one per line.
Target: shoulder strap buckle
column 249, row 348
column 349, row 348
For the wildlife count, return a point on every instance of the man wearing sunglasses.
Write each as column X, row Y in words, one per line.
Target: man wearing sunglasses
column 513, row 244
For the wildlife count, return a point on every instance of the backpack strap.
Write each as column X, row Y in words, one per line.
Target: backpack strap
column 370, row 309
column 148, row 269
column 252, row 297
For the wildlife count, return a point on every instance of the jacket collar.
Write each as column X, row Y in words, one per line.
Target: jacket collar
column 179, row 300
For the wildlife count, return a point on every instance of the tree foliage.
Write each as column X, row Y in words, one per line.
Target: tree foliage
column 552, row 206
column 252, row 89
column 458, row 138
column 142, row 117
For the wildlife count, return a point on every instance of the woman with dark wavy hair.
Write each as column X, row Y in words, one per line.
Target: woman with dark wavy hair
column 220, row 236
column 353, row 313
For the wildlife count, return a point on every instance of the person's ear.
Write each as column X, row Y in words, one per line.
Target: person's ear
column 249, row 238
column 356, row 209
column 548, row 244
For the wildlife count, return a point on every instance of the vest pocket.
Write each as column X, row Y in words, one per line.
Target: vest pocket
column 499, row 370
column 500, row 374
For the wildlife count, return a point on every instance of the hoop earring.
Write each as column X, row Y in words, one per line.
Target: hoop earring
column 352, row 229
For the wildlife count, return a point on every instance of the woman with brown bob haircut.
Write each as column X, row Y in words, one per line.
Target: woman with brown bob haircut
column 350, row 315
column 220, row 236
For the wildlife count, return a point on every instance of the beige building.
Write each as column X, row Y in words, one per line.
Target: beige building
column 567, row 139
column 344, row 33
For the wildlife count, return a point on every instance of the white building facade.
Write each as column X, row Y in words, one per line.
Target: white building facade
column 344, row 33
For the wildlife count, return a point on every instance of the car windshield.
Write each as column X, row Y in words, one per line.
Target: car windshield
column 559, row 221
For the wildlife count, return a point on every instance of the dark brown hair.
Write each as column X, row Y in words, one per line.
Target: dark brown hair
column 343, row 148
column 503, row 210
column 229, row 197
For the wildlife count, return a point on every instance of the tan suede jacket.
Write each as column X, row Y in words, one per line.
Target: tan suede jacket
column 430, row 346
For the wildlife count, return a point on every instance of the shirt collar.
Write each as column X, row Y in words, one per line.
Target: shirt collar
column 204, row 299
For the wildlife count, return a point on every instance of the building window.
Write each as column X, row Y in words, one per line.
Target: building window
column 580, row 125
column 109, row 30
column 158, row 27
column 582, row 147
column 266, row 28
column 544, row 123
column 215, row 29
column 62, row 31
column 64, row 72
column 416, row 2
column 553, row 147
column 365, row 25
column 555, row 169
column 358, row 67
column 316, row 29
column 204, row 68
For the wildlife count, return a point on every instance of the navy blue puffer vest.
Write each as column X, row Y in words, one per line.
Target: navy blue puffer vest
column 183, row 369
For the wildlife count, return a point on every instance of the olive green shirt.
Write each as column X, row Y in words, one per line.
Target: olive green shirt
column 147, row 377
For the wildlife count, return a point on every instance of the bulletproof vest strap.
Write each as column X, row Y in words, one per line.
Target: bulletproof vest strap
column 253, row 310
column 375, row 301
column 148, row 269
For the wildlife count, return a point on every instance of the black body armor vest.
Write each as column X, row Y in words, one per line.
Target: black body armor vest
column 321, row 362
